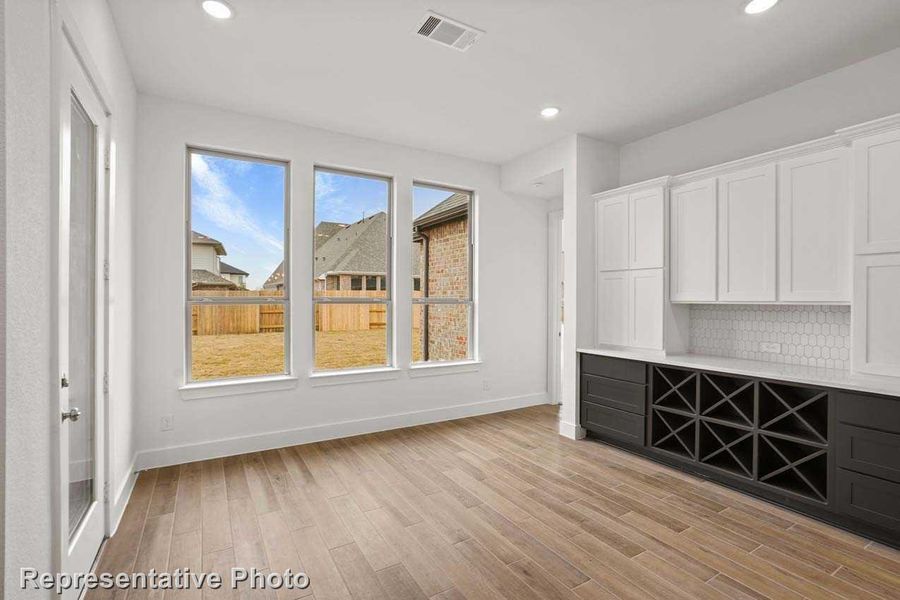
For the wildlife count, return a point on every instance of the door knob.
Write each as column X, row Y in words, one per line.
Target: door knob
column 73, row 413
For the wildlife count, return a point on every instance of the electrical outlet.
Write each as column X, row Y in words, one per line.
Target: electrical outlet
column 773, row 347
column 167, row 423
column 486, row 385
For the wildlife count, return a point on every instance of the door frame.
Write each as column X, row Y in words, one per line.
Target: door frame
column 554, row 306
column 64, row 34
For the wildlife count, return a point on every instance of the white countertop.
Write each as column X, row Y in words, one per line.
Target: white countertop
column 835, row 378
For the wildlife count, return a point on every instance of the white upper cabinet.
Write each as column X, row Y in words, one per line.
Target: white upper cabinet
column 612, row 233
column 693, row 242
column 747, row 236
column 612, row 308
column 646, row 298
column 646, row 215
column 813, row 228
column 877, row 191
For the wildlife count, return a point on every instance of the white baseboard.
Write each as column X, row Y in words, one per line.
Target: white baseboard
column 571, row 431
column 122, row 496
column 174, row 455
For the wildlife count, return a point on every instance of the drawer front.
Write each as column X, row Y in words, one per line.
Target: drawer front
column 612, row 423
column 869, row 451
column 868, row 498
column 614, row 368
column 613, row 393
column 877, row 412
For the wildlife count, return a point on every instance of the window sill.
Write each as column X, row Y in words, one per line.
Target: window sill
column 321, row 378
column 444, row 368
column 236, row 387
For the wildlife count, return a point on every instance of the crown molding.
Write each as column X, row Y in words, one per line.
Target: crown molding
column 634, row 187
column 877, row 126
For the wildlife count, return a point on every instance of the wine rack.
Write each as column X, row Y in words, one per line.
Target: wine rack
column 674, row 432
column 675, row 389
column 770, row 433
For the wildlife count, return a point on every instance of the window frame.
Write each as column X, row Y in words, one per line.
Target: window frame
column 191, row 301
column 388, row 299
column 470, row 300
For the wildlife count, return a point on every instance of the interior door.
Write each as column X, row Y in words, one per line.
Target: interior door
column 81, row 318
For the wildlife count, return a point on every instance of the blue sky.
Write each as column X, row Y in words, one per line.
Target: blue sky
column 425, row 198
column 241, row 204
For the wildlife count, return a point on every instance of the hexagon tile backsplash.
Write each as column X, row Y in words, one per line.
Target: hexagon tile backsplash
column 813, row 335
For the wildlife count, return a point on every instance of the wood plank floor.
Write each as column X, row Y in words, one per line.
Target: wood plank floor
column 484, row 508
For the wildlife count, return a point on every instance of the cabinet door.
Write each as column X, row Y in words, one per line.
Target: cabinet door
column 876, row 164
column 612, row 233
column 813, row 228
column 645, row 229
column 876, row 315
column 612, row 307
column 645, row 308
column 693, row 242
column 747, row 235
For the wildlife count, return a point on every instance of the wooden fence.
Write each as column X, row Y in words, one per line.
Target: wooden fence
column 269, row 318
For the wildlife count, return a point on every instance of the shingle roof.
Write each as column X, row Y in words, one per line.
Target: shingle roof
column 203, row 278
column 224, row 267
column 325, row 230
column 358, row 248
column 454, row 207
column 199, row 238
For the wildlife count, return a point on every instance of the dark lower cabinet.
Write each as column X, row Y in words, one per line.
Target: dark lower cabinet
column 829, row 453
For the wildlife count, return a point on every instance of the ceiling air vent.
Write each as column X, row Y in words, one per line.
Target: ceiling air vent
column 448, row 32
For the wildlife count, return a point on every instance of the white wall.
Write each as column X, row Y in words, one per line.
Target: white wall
column 588, row 166
column 815, row 108
column 512, row 280
column 28, row 520
column 29, row 376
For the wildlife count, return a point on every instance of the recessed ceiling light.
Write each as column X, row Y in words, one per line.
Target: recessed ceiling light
column 217, row 9
column 549, row 112
column 755, row 7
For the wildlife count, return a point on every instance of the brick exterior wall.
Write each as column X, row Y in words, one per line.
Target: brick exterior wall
column 448, row 277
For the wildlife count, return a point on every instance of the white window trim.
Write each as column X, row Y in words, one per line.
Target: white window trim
column 320, row 376
column 438, row 368
column 285, row 300
column 235, row 387
column 345, row 376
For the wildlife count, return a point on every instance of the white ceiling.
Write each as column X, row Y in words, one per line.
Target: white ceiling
column 619, row 69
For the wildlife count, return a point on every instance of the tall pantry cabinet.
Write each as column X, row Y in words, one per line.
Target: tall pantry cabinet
column 876, row 277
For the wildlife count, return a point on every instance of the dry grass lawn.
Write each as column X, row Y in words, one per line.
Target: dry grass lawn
column 217, row 356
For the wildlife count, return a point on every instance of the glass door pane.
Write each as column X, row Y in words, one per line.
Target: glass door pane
column 82, row 260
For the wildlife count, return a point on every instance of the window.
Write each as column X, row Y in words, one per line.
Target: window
column 443, row 304
column 352, row 232
column 237, row 279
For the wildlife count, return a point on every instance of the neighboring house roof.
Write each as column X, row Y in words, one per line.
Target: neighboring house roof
column 203, row 240
column 224, row 267
column 358, row 248
column 201, row 278
column 325, row 230
column 454, row 207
